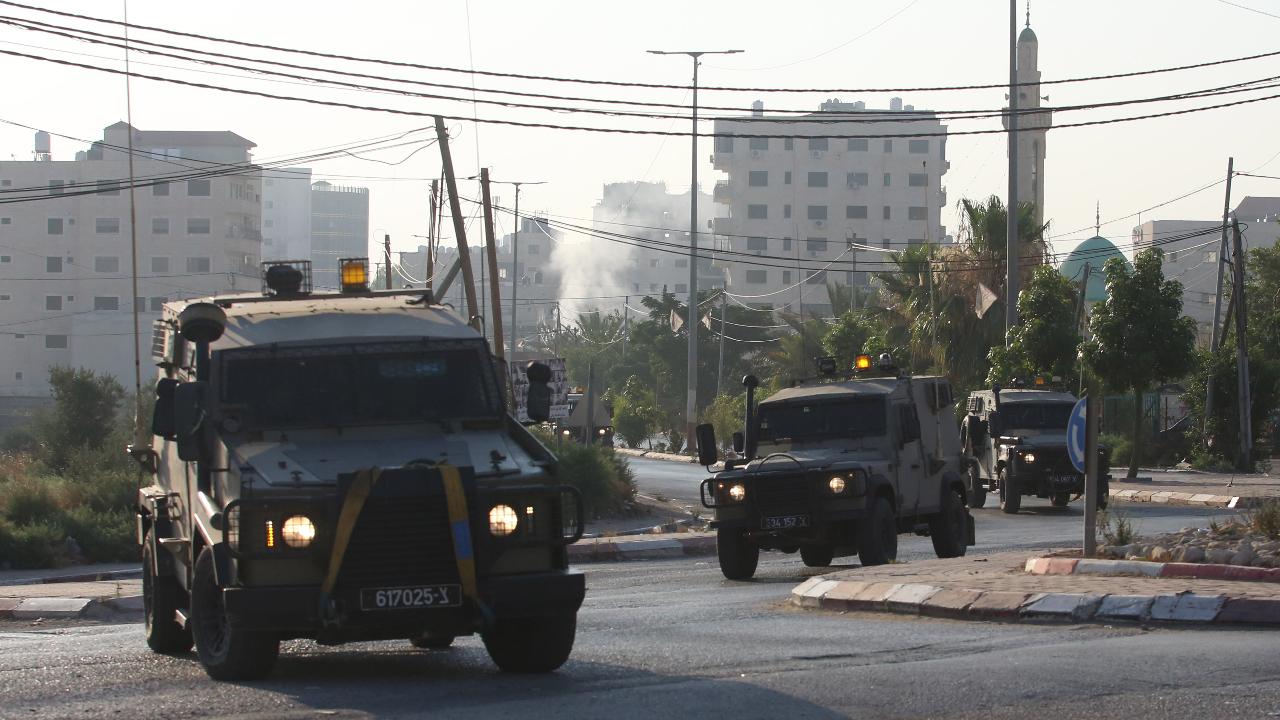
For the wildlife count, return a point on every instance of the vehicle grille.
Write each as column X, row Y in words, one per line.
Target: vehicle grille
column 783, row 494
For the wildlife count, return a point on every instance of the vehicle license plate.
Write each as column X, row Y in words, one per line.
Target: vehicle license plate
column 1067, row 480
column 786, row 522
column 410, row 598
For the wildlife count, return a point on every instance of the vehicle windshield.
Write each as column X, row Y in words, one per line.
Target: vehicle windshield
column 1036, row 415
column 357, row 385
column 800, row 421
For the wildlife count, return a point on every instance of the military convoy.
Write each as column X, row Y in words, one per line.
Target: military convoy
column 343, row 467
column 837, row 467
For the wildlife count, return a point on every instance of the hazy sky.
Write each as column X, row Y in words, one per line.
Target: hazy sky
column 888, row 44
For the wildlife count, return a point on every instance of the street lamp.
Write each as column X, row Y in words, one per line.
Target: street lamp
column 691, row 322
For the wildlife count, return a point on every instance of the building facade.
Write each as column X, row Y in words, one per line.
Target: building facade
column 286, row 214
column 826, row 199
column 66, row 263
column 1034, row 122
column 658, row 221
column 339, row 229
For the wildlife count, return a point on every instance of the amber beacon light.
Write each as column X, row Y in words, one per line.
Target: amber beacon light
column 354, row 274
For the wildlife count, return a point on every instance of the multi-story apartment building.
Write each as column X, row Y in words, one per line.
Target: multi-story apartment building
column 811, row 199
column 339, row 229
column 659, row 222
column 286, row 214
column 1191, row 253
column 66, row 263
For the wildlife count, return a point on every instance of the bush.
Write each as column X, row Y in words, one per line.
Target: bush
column 604, row 478
column 32, row 499
column 103, row 536
column 37, row 545
column 1121, row 446
column 1266, row 519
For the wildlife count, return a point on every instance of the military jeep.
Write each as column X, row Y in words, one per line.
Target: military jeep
column 840, row 467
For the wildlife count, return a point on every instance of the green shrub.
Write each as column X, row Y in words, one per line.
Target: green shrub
column 103, row 536
column 37, row 545
column 604, row 478
column 1120, row 448
column 32, row 499
column 1265, row 520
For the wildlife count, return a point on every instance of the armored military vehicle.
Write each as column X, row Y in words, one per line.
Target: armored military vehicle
column 1016, row 442
column 836, row 467
column 343, row 467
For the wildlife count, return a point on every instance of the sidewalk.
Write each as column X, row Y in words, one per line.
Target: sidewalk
column 1016, row 586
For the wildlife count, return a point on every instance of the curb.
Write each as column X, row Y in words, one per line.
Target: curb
column 81, row 577
column 127, row 607
column 1168, row 497
column 610, row 549
column 1200, row 571
column 655, row 455
column 963, row 604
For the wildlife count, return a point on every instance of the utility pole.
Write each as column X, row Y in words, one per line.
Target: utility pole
column 1216, row 340
column 1092, row 412
column 720, row 365
column 491, row 249
column 589, row 424
column 1243, row 461
column 431, row 237
column 626, row 327
column 691, row 400
column 459, row 226
column 386, row 254
column 1011, row 241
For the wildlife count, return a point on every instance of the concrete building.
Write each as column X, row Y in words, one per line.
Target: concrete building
column 647, row 211
column 829, row 192
column 339, row 229
column 66, row 293
column 1191, row 253
column 1034, row 122
column 286, row 214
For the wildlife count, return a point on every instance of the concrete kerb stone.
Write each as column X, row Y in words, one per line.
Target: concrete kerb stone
column 838, row 598
column 7, row 606
column 1136, row 608
column 1187, row 607
column 909, row 597
column 51, row 607
column 1250, row 610
column 999, row 604
column 1092, row 566
column 1075, row 607
column 605, row 549
column 949, row 603
column 812, row 597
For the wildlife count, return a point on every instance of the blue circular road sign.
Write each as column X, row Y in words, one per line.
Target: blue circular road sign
column 1075, row 435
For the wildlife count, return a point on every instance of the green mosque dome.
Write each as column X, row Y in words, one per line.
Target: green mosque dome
column 1094, row 252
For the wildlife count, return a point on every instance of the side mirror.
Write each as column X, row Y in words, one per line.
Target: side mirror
column 538, row 396
column 189, row 420
column 993, row 424
column 162, row 419
column 739, row 442
column 706, row 435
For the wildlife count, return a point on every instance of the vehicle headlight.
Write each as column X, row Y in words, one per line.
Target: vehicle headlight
column 737, row 493
column 1029, row 457
column 836, row 484
column 298, row 531
column 503, row 520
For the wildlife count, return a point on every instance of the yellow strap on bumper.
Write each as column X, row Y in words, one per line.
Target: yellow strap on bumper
column 359, row 491
column 460, row 525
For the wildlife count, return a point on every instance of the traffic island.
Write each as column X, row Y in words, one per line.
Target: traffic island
column 1010, row 587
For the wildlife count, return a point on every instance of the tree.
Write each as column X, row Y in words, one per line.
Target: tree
column 848, row 338
column 1140, row 335
column 85, row 413
column 725, row 414
column 1046, row 340
column 635, row 412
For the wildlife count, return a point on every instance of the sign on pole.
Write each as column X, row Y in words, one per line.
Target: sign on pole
column 559, row 390
column 1076, row 435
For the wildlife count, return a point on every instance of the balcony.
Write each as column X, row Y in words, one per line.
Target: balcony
column 721, row 193
column 722, row 225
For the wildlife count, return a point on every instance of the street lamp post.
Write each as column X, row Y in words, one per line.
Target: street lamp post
column 691, row 322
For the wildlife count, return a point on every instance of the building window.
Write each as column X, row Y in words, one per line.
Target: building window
column 724, row 144
column 6, row 221
column 160, row 189
column 106, row 264
column 197, row 226
column 6, row 297
column 52, row 302
column 757, row 212
column 159, row 226
column 886, row 243
column 682, row 262
column 887, row 213
column 198, row 188
column 653, row 262
column 917, row 179
column 108, row 187
column 682, row 287
column 106, row 302
column 816, row 212
column 786, row 244
column 106, row 226
column 887, row 179
column 817, row 144
column 159, row 264
column 786, row 277
column 1211, row 256
column 55, row 187
column 53, row 264
column 817, row 179
column 916, row 212
column 198, row 265
column 786, row 178
column 888, row 146
column 758, row 178
column 920, row 147
column 855, row 212
column 857, row 179
column 6, row 258
column 857, row 144
column 817, row 278
column 788, row 143
column 815, row 245
column 55, row 342
column 759, row 143
column 758, row 243
column 157, row 304
column 270, row 203
column 55, row 226
column 757, row 277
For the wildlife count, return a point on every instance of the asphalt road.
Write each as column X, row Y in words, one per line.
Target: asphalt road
column 674, row 639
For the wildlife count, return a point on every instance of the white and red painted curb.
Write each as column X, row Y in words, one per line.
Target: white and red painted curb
column 964, row 604
column 1200, row 571
column 636, row 548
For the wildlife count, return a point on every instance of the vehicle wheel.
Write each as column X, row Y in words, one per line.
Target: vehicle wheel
column 531, row 645
column 878, row 535
column 161, row 598
column 1104, row 491
column 977, row 491
column 428, row 642
column 817, row 555
column 738, row 555
column 949, row 528
column 1010, row 498
column 227, row 653
column 1060, row 500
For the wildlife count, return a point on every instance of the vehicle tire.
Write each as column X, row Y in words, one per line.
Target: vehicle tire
column 949, row 528
column 531, row 645
column 878, row 535
column 1104, row 491
column 161, row 598
column 1010, row 498
column 817, row 555
column 738, row 555
column 1060, row 500
column 428, row 642
column 977, row 491
column 226, row 652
